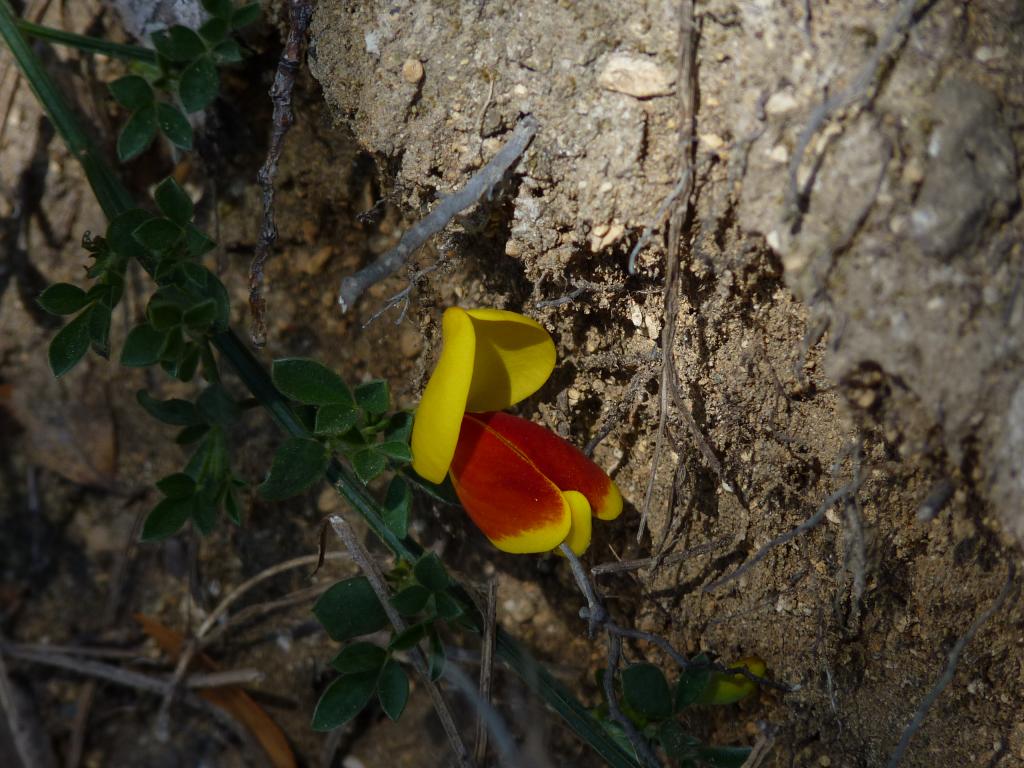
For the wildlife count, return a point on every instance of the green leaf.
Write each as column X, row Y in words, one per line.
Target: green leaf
column 189, row 435
column 399, row 428
column 158, row 234
column 62, row 299
column 137, row 134
column 430, row 572
column 131, row 91
column 228, row 52
column 692, row 683
column 142, row 347
column 120, row 238
column 373, row 397
column 177, row 486
column 173, row 201
column 410, row 600
column 179, row 413
column 359, row 657
column 397, row 503
column 436, row 657
column 335, row 420
column 368, row 463
column 174, row 125
column 166, row 519
column 393, row 689
column 448, row 608
column 343, row 700
column 163, row 315
column 216, row 407
column 232, row 507
column 395, row 450
column 408, row 638
column 246, row 15
column 178, row 44
column 206, row 508
column 201, row 315
column 298, row 464
column 645, row 689
column 349, row 609
column 184, row 367
column 69, row 345
column 99, row 328
column 213, row 30
column 219, row 8
column 310, row 382
column 198, row 84
column 198, row 244
column 677, row 743
column 723, row 757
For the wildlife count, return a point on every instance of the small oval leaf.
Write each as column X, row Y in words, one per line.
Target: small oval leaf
column 310, row 382
column 343, row 700
column 198, row 84
column 349, row 609
column 645, row 689
column 393, row 689
column 298, row 464
column 69, row 345
column 62, row 299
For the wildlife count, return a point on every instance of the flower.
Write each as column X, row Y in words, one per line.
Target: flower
column 725, row 688
column 526, row 488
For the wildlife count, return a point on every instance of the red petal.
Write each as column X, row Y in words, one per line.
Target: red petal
column 562, row 462
column 510, row 500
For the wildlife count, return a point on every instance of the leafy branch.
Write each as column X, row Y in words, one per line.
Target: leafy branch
column 166, row 253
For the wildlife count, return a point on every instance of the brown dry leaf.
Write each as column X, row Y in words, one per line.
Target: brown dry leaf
column 231, row 699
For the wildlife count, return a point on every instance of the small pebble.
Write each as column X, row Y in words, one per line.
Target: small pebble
column 412, row 71
column 635, row 76
column 780, row 103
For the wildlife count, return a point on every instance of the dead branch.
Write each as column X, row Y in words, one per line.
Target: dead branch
column 687, row 129
column 486, row 668
column 951, row 664
column 299, row 14
column 200, row 639
column 858, row 90
column 492, row 722
column 841, row 495
column 657, row 560
column 479, row 185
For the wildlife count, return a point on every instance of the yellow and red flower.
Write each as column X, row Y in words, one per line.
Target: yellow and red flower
column 526, row 488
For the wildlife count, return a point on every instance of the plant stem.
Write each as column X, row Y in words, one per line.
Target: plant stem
column 86, row 43
column 115, row 200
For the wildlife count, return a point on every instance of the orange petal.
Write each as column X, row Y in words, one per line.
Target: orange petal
column 563, row 463
column 510, row 500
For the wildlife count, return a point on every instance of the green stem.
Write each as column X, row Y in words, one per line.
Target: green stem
column 115, row 200
column 86, row 43
column 111, row 194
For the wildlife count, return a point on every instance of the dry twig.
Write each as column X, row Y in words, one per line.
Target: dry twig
column 486, row 668
column 479, row 185
column 858, row 89
column 687, row 129
column 299, row 14
column 951, row 664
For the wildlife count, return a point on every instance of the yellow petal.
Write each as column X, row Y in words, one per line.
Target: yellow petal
column 435, row 431
column 724, row 688
column 514, row 357
column 579, row 531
